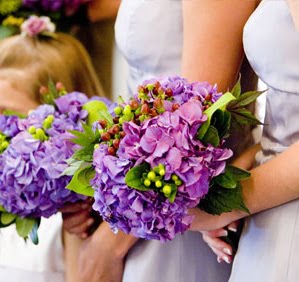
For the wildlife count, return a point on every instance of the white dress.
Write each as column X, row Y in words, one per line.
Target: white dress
column 25, row 262
column 150, row 35
column 269, row 245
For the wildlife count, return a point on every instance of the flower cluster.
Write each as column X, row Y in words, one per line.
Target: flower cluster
column 158, row 168
column 34, row 26
column 31, row 180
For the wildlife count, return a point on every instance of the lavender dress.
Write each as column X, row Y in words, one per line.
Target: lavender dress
column 149, row 34
column 269, row 246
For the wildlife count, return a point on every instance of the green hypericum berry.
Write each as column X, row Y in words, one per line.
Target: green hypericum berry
column 162, row 171
column 127, row 110
column 4, row 145
column 50, row 118
column 40, row 134
column 178, row 182
column 174, row 177
column 32, row 129
column 147, row 182
column 121, row 120
column 158, row 183
column 96, row 146
column 151, row 175
column 150, row 87
column 118, row 110
column 166, row 190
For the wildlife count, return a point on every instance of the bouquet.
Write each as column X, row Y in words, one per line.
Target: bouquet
column 33, row 154
column 162, row 153
column 64, row 13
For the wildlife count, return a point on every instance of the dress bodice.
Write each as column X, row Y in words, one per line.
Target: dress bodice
column 150, row 36
column 271, row 45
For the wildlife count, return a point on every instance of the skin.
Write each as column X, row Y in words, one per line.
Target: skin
column 219, row 62
column 99, row 10
column 13, row 99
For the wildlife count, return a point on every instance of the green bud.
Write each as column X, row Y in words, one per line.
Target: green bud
column 46, row 124
column 158, row 183
column 174, row 177
column 118, row 110
column 40, row 134
column 142, row 118
column 96, row 146
column 150, row 87
column 166, row 190
column 127, row 110
column 50, row 118
column 178, row 182
column 32, row 129
column 151, row 175
column 162, row 171
column 147, row 182
column 4, row 145
column 121, row 120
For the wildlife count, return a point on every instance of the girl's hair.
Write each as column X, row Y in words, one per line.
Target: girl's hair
column 28, row 63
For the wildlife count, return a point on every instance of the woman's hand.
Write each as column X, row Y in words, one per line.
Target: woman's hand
column 101, row 257
column 216, row 241
column 77, row 218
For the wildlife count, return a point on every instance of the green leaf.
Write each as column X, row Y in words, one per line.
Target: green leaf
column 174, row 191
column 237, row 173
column 244, row 99
column 97, row 110
column 220, row 200
column 120, row 100
column 211, row 136
column 243, row 116
column 33, row 234
column 73, row 166
column 222, row 121
column 226, row 180
column 134, row 177
column 13, row 113
column 6, row 31
column 80, row 182
column 7, row 218
column 236, row 91
column 221, row 104
column 2, row 209
column 24, row 226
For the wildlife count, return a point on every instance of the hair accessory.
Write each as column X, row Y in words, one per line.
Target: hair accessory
column 35, row 26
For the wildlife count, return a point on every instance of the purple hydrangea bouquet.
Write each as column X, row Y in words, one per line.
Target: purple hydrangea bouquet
column 64, row 13
column 162, row 153
column 33, row 156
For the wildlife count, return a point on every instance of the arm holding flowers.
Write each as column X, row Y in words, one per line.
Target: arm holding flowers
column 270, row 185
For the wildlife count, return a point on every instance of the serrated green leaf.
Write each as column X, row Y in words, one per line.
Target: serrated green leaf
column 24, row 226
column 211, row 136
column 80, row 182
column 72, row 167
column 97, row 110
column 220, row 200
column 134, row 176
column 225, row 180
column 244, row 99
column 236, row 91
column 237, row 173
column 244, row 116
column 7, row 218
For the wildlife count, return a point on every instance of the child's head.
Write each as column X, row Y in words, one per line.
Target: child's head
column 26, row 63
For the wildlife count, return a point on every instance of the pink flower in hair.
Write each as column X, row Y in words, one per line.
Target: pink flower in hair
column 37, row 25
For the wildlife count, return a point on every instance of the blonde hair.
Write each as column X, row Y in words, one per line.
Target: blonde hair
column 29, row 63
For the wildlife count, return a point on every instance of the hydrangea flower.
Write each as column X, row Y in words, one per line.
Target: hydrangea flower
column 31, row 181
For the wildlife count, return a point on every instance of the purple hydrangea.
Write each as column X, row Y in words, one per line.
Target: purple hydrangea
column 68, row 6
column 168, row 139
column 9, row 125
column 31, row 181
